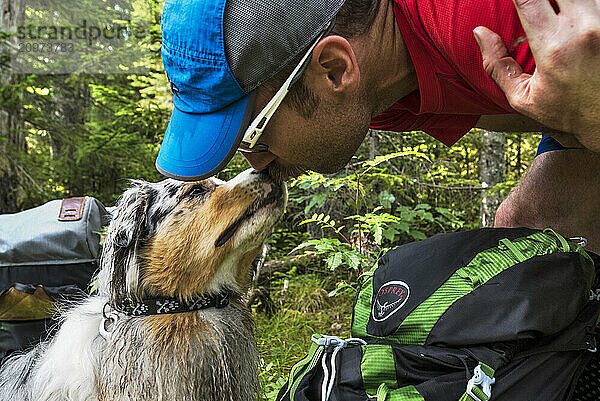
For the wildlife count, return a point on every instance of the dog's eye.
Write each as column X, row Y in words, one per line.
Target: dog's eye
column 198, row 190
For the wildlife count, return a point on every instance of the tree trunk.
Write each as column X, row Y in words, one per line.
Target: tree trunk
column 12, row 139
column 72, row 99
column 373, row 151
column 491, row 172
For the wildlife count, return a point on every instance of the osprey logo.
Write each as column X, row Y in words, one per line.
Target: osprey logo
column 389, row 299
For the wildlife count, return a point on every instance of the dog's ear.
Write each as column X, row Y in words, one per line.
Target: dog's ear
column 132, row 216
column 131, row 226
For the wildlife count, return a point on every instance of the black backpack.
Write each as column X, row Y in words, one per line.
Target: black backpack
column 48, row 256
column 501, row 314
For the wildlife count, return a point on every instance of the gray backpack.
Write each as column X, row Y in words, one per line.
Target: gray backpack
column 48, row 255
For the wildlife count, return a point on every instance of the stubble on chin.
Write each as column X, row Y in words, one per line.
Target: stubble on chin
column 283, row 173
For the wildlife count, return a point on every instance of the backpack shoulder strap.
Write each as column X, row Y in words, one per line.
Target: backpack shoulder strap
column 407, row 393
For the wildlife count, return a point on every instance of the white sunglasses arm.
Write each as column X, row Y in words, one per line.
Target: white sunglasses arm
column 257, row 126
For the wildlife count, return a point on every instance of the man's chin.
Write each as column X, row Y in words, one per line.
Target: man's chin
column 283, row 173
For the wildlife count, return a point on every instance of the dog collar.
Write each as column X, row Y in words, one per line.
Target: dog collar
column 166, row 305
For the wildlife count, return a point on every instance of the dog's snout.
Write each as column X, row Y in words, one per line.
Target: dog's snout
column 261, row 184
column 252, row 177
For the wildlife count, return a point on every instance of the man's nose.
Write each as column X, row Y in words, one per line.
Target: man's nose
column 261, row 160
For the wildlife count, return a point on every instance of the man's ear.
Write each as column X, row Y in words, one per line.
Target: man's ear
column 334, row 65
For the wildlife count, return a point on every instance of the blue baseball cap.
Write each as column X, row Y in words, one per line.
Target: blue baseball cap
column 216, row 53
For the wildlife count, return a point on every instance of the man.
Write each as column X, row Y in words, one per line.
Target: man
column 397, row 65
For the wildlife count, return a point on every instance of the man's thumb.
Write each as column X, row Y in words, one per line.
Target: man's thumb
column 496, row 61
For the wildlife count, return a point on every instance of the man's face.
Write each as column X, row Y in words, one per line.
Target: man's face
column 325, row 142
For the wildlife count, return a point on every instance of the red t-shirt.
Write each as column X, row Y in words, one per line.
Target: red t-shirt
column 454, row 90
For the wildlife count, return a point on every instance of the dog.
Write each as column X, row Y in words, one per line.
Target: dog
column 169, row 320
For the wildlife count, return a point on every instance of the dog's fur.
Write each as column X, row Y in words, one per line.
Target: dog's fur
column 169, row 239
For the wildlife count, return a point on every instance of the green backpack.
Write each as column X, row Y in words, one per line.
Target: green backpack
column 507, row 314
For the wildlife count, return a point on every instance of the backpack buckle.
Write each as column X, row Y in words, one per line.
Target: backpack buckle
column 581, row 241
column 328, row 342
column 591, row 339
column 334, row 342
column 479, row 387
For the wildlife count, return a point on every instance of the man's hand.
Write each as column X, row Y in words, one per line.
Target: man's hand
column 564, row 91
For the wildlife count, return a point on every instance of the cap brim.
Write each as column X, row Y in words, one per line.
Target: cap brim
column 197, row 146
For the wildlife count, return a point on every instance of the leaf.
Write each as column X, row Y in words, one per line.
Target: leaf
column 302, row 246
column 386, row 199
column 317, row 199
column 417, row 234
column 385, row 158
column 352, row 259
column 334, row 260
column 402, row 226
column 340, row 289
column 93, row 286
column 325, row 245
column 378, row 234
column 390, row 233
column 444, row 211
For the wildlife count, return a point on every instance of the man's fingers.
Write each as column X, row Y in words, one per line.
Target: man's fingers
column 503, row 69
column 490, row 43
column 494, row 54
column 536, row 17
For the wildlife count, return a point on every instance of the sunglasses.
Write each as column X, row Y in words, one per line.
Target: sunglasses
column 255, row 129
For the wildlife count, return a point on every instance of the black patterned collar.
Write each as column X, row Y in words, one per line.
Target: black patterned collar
column 165, row 305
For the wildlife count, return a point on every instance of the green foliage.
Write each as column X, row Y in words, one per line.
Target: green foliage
column 335, row 251
column 283, row 240
column 92, row 144
column 327, row 222
column 372, row 232
column 407, row 223
column 88, row 134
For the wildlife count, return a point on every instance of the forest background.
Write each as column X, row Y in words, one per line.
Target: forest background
column 84, row 129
